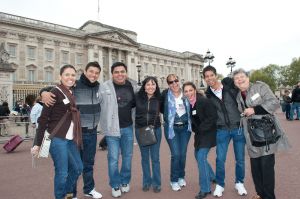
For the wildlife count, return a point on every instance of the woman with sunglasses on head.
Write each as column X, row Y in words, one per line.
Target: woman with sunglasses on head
column 147, row 113
column 204, row 125
column 177, row 128
column 63, row 121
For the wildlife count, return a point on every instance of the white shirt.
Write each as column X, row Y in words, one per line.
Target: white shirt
column 218, row 92
column 180, row 109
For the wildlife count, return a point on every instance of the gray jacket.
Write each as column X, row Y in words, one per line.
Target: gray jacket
column 259, row 93
column 109, row 117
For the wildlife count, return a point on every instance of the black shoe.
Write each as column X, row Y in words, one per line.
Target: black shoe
column 156, row 189
column 146, row 188
column 297, row 119
column 201, row 195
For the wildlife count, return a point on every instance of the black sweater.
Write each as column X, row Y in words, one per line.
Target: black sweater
column 147, row 109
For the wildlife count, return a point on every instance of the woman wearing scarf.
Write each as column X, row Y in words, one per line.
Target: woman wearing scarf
column 204, row 124
column 65, row 144
column 177, row 129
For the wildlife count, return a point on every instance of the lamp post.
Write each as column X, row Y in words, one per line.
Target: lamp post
column 162, row 81
column 209, row 57
column 230, row 64
column 182, row 81
column 139, row 66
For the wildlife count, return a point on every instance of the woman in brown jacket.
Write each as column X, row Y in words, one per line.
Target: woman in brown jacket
column 64, row 148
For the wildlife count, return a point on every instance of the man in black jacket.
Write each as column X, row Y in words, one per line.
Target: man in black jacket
column 223, row 96
column 296, row 102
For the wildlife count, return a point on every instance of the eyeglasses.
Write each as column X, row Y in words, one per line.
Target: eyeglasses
column 171, row 82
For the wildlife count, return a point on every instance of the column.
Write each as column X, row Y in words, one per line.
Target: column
column 90, row 52
column 100, row 58
column 130, row 67
column 109, row 61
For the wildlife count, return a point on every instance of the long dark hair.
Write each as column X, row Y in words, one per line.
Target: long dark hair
column 142, row 91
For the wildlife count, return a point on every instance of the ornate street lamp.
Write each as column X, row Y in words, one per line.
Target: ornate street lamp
column 182, row 81
column 138, row 67
column 209, row 57
column 230, row 64
column 162, row 81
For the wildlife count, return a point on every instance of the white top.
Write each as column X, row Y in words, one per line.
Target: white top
column 69, row 135
column 180, row 109
column 217, row 92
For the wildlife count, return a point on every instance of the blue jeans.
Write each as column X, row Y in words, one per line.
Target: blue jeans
column 295, row 107
column 152, row 152
column 115, row 145
column 223, row 138
column 67, row 164
column 178, row 147
column 87, row 153
column 206, row 174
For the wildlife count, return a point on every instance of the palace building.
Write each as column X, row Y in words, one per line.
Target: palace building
column 37, row 49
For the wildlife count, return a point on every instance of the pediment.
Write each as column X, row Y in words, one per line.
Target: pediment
column 114, row 36
column 196, row 57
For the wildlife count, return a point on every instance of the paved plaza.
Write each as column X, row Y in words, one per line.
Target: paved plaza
column 18, row 180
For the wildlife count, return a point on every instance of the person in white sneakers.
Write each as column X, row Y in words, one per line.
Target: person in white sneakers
column 223, row 95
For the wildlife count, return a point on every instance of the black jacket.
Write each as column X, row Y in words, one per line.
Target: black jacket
column 147, row 109
column 227, row 109
column 296, row 94
column 204, row 119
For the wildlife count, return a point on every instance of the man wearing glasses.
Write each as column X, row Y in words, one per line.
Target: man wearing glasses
column 116, row 101
column 177, row 128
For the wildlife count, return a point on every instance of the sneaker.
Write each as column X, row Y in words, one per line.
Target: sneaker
column 240, row 189
column 74, row 198
column 175, row 186
column 146, row 188
column 156, row 189
column 94, row 194
column 218, row 191
column 125, row 188
column 116, row 192
column 182, row 182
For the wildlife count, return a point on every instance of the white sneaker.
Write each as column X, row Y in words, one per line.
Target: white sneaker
column 175, row 186
column 240, row 189
column 182, row 182
column 94, row 194
column 74, row 198
column 218, row 191
column 125, row 188
column 116, row 192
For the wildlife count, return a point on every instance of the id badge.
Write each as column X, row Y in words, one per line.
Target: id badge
column 194, row 112
column 66, row 101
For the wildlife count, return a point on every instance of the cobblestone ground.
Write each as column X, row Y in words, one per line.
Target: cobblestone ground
column 18, row 180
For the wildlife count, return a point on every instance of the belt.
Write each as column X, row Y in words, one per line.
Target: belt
column 87, row 130
column 180, row 124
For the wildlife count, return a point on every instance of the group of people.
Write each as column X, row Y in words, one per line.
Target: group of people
column 291, row 103
column 214, row 120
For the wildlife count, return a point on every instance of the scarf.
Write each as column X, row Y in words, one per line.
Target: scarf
column 74, row 114
column 193, row 101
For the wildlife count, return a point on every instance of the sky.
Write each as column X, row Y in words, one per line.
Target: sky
column 255, row 33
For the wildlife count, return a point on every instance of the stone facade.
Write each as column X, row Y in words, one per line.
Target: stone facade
column 38, row 49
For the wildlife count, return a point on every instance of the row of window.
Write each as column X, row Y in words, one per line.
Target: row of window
column 31, row 53
column 162, row 69
column 31, row 76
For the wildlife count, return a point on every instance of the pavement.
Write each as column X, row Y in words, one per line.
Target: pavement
column 19, row 180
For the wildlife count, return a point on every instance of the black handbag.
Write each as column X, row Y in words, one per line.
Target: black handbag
column 147, row 135
column 262, row 131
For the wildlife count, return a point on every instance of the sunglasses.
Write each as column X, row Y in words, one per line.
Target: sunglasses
column 171, row 82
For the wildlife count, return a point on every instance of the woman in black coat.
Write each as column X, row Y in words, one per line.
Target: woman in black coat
column 204, row 119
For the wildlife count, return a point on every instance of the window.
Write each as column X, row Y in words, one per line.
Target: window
column 31, row 52
column 12, row 50
column 165, row 61
column 132, row 60
column 49, row 54
column 79, row 58
column 31, row 75
column 65, row 57
column 146, row 68
column 48, row 76
column 162, row 69
column 154, row 68
column 181, row 72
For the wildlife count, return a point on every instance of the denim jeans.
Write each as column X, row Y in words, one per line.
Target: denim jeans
column 87, row 153
column 206, row 174
column 67, row 164
column 223, row 138
column 178, row 147
column 295, row 107
column 147, row 153
column 115, row 145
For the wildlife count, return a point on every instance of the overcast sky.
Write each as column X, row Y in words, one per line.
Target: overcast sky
column 254, row 32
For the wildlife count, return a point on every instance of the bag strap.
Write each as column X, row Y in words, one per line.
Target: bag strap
column 63, row 119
